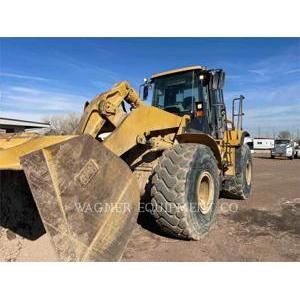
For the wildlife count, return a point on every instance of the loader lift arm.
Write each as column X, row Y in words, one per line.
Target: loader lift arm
column 108, row 106
column 144, row 125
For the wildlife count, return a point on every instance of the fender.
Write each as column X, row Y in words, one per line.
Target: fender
column 204, row 139
column 244, row 134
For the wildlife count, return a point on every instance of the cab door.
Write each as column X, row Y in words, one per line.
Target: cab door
column 216, row 97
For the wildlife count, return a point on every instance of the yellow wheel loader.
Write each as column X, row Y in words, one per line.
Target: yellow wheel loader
column 87, row 187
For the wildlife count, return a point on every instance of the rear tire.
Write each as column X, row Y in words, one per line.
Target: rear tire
column 185, row 191
column 239, row 186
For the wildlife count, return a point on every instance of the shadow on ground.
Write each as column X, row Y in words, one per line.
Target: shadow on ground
column 18, row 211
column 286, row 221
column 145, row 217
column 274, row 159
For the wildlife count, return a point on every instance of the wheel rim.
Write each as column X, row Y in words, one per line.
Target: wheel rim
column 205, row 192
column 248, row 172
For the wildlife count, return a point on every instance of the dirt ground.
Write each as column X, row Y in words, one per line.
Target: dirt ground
column 264, row 228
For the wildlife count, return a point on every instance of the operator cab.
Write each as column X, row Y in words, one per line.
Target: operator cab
column 194, row 91
column 176, row 93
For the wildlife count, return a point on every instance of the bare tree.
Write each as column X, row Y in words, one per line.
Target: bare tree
column 61, row 124
column 285, row 134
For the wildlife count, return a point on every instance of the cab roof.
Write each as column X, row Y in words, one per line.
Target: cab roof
column 174, row 71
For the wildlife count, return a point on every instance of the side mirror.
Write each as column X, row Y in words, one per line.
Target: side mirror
column 229, row 125
column 86, row 104
column 145, row 91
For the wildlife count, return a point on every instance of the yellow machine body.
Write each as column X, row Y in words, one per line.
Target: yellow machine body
column 70, row 176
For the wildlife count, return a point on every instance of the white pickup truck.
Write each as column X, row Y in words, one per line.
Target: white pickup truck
column 284, row 148
column 297, row 151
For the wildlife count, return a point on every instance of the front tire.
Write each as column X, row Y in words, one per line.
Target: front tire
column 185, row 191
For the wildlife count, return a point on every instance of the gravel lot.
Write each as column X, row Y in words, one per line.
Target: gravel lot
column 264, row 228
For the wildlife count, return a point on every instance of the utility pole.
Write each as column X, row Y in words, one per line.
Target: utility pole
column 258, row 132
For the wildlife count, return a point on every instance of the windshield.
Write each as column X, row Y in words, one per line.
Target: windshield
column 277, row 142
column 176, row 93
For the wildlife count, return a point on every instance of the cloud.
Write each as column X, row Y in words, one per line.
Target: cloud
column 274, row 112
column 31, row 116
column 283, row 63
column 260, row 72
column 23, row 102
column 93, row 71
column 267, row 95
column 233, row 77
column 270, row 107
column 275, row 118
column 20, row 76
column 103, row 85
column 279, row 117
column 293, row 71
column 270, row 71
column 25, row 90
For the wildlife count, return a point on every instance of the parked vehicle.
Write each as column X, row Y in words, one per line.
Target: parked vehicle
column 297, row 151
column 263, row 143
column 283, row 148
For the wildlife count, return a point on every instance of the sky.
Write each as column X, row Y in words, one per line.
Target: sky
column 40, row 77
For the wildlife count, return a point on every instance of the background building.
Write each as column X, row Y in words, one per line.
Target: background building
column 259, row 143
column 263, row 143
column 14, row 125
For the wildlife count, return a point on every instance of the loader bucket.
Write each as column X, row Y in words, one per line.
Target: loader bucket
column 87, row 197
